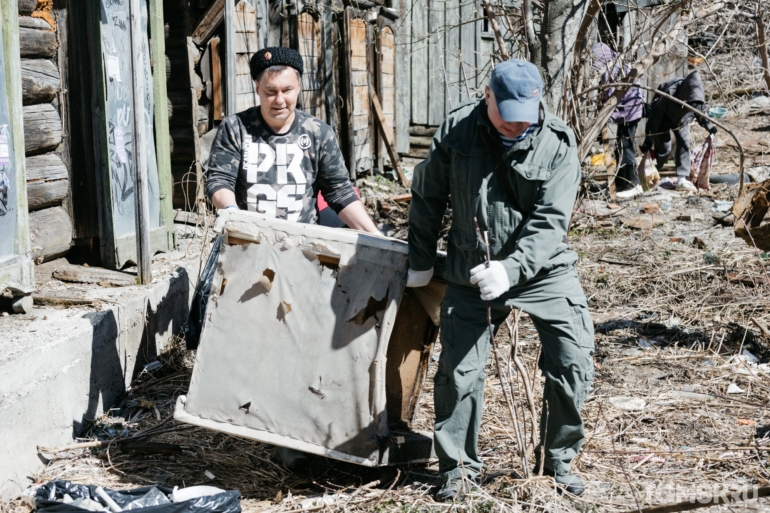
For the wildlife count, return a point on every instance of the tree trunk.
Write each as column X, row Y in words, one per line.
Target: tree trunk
column 561, row 23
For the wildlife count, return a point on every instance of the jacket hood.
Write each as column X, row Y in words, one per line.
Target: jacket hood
column 691, row 89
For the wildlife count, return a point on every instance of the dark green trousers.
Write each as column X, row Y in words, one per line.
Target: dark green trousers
column 557, row 306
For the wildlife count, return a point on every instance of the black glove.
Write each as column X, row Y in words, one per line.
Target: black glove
column 713, row 130
column 646, row 110
column 647, row 146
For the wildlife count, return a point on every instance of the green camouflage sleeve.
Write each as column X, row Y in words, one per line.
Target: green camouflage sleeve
column 225, row 158
column 333, row 177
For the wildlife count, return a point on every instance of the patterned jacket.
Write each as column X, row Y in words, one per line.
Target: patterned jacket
column 279, row 175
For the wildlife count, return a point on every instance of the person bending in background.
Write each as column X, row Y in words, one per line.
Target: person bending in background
column 667, row 115
column 626, row 116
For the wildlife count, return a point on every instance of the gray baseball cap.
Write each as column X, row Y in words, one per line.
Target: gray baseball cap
column 517, row 86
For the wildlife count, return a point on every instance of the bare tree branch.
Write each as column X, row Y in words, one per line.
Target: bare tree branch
column 496, row 30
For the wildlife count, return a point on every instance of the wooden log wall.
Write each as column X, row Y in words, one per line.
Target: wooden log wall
column 48, row 184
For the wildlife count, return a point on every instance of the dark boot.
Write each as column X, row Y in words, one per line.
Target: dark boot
column 567, row 481
column 455, row 488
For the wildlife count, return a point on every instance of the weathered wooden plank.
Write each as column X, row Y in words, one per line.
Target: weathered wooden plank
column 420, row 79
column 47, row 181
column 50, row 233
column 42, row 128
column 408, row 357
column 404, row 77
column 141, row 178
column 37, row 43
column 246, row 42
column 468, row 12
column 46, row 167
column 97, row 275
column 309, row 42
column 160, row 96
column 34, row 23
column 426, row 131
column 421, row 142
column 216, row 81
column 452, row 53
column 209, row 22
column 390, row 147
column 435, row 80
column 40, row 81
column 27, row 7
column 230, row 51
column 46, row 194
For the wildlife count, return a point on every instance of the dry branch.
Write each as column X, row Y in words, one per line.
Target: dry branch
column 660, row 48
column 762, row 45
column 496, row 30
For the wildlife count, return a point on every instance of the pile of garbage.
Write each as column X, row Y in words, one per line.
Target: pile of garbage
column 66, row 497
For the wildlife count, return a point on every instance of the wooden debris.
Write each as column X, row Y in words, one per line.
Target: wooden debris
column 651, row 208
column 209, row 22
column 689, row 216
column 749, row 210
column 402, row 198
column 644, row 221
column 699, row 243
column 746, row 279
column 389, row 144
column 97, row 275
column 53, row 300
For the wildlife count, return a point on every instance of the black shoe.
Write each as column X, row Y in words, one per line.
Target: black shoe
column 455, row 489
column 567, row 482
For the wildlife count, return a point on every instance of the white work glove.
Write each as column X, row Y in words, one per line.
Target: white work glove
column 418, row 278
column 493, row 280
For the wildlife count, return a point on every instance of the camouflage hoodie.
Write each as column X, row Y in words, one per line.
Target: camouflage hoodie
column 279, row 175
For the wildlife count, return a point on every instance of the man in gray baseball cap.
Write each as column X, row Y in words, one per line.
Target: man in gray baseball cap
column 510, row 164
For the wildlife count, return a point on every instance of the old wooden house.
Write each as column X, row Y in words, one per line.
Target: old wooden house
column 379, row 72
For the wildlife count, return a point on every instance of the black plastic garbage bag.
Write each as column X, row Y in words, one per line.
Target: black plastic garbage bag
column 194, row 325
column 148, row 499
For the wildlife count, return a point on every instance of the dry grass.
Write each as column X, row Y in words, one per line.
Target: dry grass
column 691, row 438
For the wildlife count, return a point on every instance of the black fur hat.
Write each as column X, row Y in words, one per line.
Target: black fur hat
column 274, row 56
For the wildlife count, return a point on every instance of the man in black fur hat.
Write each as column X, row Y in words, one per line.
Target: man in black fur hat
column 273, row 159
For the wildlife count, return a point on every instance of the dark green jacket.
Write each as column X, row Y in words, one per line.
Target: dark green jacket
column 527, row 234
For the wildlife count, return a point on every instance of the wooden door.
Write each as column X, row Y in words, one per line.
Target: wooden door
column 114, row 137
column 310, row 47
column 16, row 267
